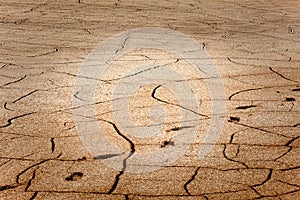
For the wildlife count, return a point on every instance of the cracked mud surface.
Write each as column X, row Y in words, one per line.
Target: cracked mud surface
column 255, row 46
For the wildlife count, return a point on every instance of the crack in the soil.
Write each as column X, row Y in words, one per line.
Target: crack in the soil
column 7, row 187
column 288, row 151
column 259, row 129
column 232, row 160
column 34, row 196
column 28, row 168
column 272, row 70
column 185, row 186
column 44, row 54
column 30, row 181
column 132, row 151
column 166, row 102
column 291, row 141
column 245, row 107
column 52, row 144
column 79, row 76
column 246, row 90
column 26, row 95
column 16, row 81
column 266, row 180
column 9, row 121
column 142, row 71
column 122, row 45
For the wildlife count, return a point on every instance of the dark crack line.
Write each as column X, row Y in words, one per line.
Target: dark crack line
column 117, row 178
column 245, row 107
column 291, row 107
column 44, row 54
column 136, row 73
column 259, row 129
column 12, row 82
column 237, row 151
column 26, row 95
column 30, row 181
column 5, row 162
column 232, row 160
column 179, row 128
column 266, row 180
column 289, row 149
column 9, row 121
column 253, row 189
column 166, row 102
column 239, row 63
column 290, row 168
column 34, row 196
column 142, row 71
column 77, row 97
column 6, row 108
column 27, row 155
column 122, row 45
column 233, row 134
column 7, row 187
column 296, row 90
column 86, row 105
column 203, row 45
column 290, row 184
column 295, row 125
column 5, row 76
column 52, row 144
column 253, row 89
column 292, row 140
column 276, row 195
column 190, row 180
column 132, row 147
column 241, row 91
column 28, row 168
column 36, row 7
column 282, row 75
column 3, row 66
column 79, row 76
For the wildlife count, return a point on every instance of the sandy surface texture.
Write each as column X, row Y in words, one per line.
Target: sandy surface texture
column 244, row 116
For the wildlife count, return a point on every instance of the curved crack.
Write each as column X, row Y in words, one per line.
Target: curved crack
column 272, row 70
column 163, row 101
column 9, row 121
column 190, row 180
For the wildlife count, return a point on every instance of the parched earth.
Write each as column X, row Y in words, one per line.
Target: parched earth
column 47, row 152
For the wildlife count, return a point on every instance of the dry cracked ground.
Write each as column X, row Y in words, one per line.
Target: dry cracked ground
column 255, row 46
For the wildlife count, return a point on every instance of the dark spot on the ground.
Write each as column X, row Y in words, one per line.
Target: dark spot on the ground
column 290, row 99
column 74, row 176
column 296, row 90
column 234, row 119
column 174, row 129
column 165, row 143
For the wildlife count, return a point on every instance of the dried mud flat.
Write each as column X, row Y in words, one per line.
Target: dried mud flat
column 255, row 46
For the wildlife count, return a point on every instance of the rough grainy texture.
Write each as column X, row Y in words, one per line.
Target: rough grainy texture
column 256, row 47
